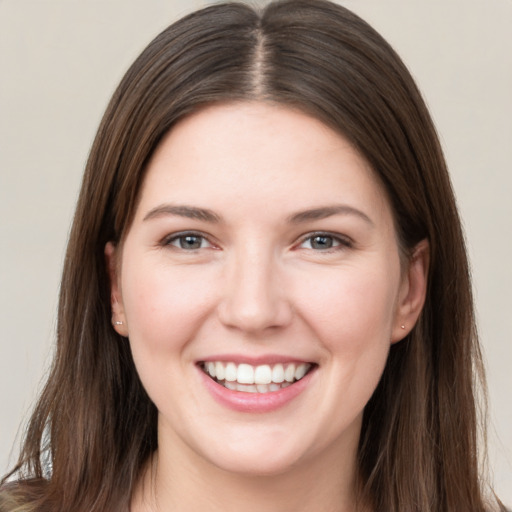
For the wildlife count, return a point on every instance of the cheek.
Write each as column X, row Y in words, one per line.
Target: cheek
column 164, row 309
column 353, row 307
column 352, row 319
column 163, row 305
column 351, row 313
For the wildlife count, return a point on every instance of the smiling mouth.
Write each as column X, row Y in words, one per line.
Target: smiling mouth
column 263, row 378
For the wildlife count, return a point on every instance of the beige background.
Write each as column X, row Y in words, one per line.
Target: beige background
column 59, row 63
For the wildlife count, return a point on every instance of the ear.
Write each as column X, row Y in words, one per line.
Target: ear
column 118, row 316
column 413, row 290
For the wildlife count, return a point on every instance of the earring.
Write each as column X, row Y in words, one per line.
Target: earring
column 117, row 322
column 402, row 326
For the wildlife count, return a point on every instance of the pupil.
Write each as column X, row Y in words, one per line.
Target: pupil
column 190, row 242
column 321, row 242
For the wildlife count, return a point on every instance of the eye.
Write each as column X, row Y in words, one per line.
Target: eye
column 324, row 242
column 188, row 241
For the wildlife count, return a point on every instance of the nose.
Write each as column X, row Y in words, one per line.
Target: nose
column 254, row 299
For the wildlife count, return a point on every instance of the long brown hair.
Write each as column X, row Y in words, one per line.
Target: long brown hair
column 94, row 427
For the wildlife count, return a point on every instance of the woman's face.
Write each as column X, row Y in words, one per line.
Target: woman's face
column 260, row 287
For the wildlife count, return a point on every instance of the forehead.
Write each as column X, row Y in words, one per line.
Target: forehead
column 256, row 151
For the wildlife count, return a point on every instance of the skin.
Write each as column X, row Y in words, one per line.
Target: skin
column 259, row 284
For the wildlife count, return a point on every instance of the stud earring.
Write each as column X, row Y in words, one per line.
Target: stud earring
column 402, row 326
column 118, row 323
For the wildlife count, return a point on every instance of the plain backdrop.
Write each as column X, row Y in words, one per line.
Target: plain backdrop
column 60, row 61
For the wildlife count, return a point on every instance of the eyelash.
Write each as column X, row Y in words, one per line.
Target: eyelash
column 177, row 237
column 341, row 242
column 337, row 242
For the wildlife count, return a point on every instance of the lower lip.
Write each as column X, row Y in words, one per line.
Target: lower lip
column 255, row 402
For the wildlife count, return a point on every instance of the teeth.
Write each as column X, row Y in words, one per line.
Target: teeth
column 220, row 372
column 300, row 371
column 289, row 373
column 230, row 372
column 247, row 388
column 278, row 373
column 245, row 374
column 255, row 379
column 263, row 374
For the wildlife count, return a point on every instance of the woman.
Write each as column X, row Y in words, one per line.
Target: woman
column 269, row 301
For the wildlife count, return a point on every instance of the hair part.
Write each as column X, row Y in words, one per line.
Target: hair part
column 418, row 447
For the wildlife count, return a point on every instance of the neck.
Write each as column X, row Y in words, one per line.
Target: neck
column 174, row 483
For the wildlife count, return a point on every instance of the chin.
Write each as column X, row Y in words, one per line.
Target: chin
column 274, row 453
column 257, row 465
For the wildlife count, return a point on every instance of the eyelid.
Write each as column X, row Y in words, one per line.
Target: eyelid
column 168, row 239
column 343, row 241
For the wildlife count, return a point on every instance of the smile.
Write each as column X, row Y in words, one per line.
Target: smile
column 263, row 378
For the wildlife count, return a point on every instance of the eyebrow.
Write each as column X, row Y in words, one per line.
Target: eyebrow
column 189, row 212
column 328, row 211
column 206, row 215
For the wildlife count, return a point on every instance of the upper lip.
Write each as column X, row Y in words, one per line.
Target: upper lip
column 254, row 360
